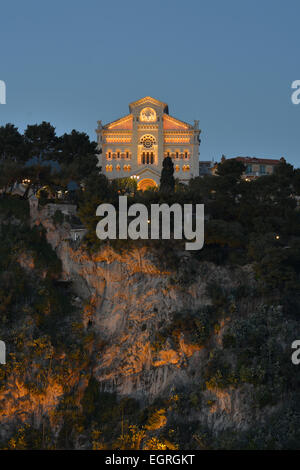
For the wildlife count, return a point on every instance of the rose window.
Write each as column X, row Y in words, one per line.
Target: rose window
column 148, row 141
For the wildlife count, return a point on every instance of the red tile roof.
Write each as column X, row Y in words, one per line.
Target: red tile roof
column 263, row 161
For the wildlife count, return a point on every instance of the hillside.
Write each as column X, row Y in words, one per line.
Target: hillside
column 113, row 349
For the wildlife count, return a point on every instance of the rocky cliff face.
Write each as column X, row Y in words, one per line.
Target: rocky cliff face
column 128, row 301
column 187, row 357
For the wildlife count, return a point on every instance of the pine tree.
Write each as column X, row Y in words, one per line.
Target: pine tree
column 167, row 180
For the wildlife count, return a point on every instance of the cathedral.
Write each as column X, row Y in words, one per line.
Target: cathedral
column 136, row 144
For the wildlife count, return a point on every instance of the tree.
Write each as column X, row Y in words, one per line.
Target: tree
column 10, row 173
column 77, row 156
column 12, row 156
column 38, row 176
column 41, row 141
column 41, row 147
column 167, row 180
column 11, row 144
column 124, row 186
column 96, row 189
column 231, row 167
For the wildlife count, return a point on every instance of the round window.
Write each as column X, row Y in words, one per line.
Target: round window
column 148, row 144
column 147, row 141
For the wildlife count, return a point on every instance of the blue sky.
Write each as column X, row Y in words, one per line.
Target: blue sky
column 229, row 64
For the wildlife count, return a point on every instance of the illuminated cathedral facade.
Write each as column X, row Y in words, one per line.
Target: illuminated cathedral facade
column 136, row 144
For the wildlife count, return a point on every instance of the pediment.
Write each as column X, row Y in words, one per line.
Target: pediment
column 148, row 101
column 147, row 172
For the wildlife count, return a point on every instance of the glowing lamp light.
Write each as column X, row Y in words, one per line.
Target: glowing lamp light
column 277, row 237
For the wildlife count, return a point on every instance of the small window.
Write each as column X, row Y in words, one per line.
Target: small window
column 248, row 169
column 262, row 169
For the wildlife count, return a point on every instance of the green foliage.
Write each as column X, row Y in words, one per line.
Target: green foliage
column 231, row 168
column 218, row 372
column 12, row 146
column 245, row 332
column 260, row 357
column 167, row 181
column 14, row 206
column 41, row 141
column 196, row 327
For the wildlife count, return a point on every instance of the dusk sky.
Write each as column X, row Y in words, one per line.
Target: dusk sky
column 228, row 64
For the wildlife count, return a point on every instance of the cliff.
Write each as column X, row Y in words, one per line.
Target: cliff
column 201, row 352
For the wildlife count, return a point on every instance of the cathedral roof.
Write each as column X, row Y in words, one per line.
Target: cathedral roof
column 172, row 123
column 169, row 122
column 124, row 122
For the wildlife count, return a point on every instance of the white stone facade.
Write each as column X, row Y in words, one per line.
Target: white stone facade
column 136, row 144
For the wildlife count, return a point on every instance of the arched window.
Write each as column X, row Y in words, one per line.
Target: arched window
column 118, row 168
column 148, row 115
column 177, row 168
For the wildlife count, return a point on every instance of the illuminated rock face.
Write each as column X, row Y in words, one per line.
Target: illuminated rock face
column 127, row 306
column 129, row 300
column 135, row 145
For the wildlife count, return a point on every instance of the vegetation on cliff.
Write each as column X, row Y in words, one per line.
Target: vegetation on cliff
column 234, row 351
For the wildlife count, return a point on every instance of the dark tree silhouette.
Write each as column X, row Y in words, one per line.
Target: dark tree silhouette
column 167, row 180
